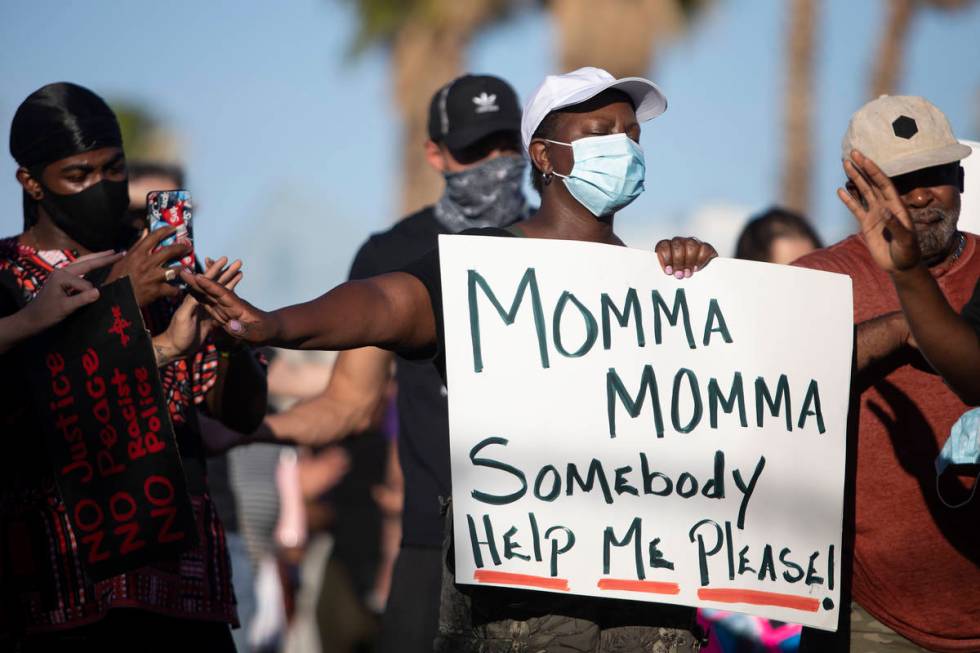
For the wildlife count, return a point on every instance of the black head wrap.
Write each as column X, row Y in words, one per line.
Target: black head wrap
column 57, row 121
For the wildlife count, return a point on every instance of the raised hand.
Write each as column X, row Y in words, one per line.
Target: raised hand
column 191, row 324
column 682, row 257
column 236, row 316
column 144, row 267
column 885, row 222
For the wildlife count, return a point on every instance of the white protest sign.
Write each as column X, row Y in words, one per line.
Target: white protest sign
column 616, row 432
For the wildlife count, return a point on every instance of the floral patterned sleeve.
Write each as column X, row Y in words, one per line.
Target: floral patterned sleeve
column 204, row 371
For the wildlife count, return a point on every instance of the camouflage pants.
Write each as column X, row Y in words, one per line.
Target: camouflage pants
column 502, row 620
column 868, row 635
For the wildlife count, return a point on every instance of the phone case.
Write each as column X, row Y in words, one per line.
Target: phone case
column 172, row 208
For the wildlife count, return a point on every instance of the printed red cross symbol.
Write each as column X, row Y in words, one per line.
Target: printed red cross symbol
column 119, row 325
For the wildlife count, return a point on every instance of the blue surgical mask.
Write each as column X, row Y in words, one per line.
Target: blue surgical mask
column 607, row 174
column 961, row 448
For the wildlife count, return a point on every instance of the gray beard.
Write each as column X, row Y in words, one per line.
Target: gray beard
column 933, row 242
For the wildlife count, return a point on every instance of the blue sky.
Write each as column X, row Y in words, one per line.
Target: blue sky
column 291, row 145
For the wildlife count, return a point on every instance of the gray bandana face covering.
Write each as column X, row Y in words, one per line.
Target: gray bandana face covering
column 489, row 195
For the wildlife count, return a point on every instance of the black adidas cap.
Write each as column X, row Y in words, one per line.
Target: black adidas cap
column 472, row 107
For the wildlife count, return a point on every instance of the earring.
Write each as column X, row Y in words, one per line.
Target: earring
column 548, row 176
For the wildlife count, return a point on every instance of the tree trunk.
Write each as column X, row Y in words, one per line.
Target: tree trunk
column 891, row 47
column 427, row 52
column 797, row 163
column 617, row 35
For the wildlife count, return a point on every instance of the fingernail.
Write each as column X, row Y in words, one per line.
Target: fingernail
column 668, row 270
column 679, row 274
column 235, row 326
column 694, row 270
column 687, row 274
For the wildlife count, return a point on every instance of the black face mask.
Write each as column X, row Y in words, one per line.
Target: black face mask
column 94, row 218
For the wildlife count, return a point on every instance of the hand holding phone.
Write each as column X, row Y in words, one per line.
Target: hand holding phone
column 144, row 265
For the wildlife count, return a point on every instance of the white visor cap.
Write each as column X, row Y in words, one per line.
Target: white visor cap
column 560, row 91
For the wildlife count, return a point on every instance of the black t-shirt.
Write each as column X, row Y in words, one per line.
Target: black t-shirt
column 426, row 270
column 423, row 440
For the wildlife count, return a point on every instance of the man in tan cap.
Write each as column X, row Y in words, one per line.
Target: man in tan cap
column 914, row 574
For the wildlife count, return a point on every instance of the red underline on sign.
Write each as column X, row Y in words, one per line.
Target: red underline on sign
column 758, row 597
column 508, row 578
column 648, row 586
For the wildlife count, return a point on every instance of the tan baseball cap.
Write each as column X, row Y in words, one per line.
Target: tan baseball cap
column 902, row 133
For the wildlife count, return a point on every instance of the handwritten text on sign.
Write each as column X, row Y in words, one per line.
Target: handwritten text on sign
column 616, row 432
column 109, row 436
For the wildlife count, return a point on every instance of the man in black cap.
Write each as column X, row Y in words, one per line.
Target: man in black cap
column 474, row 132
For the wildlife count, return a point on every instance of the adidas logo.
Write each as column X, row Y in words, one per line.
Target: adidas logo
column 486, row 103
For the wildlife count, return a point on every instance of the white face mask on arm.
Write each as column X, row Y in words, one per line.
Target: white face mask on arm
column 961, row 448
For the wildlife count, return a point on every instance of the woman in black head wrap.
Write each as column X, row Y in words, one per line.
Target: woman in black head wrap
column 67, row 142
column 72, row 169
column 85, row 198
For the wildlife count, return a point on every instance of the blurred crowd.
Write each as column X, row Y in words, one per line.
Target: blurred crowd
column 319, row 481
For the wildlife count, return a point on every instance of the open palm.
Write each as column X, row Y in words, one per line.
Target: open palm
column 885, row 222
column 191, row 323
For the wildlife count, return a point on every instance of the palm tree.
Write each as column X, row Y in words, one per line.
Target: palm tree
column 891, row 46
column 797, row 162
column 427, row 41
column 618, row 35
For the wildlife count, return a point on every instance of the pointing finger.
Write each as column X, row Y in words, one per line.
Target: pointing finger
column 85, row 264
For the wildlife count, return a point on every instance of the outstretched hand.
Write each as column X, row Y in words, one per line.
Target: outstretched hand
column 682, row 257
column 236, row 316
column 191, row 324
column 885, row 222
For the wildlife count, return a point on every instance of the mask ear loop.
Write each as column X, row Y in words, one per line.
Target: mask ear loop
column 961, row 504
column 557, row 174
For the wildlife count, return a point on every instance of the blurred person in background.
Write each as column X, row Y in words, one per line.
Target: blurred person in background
column 402, row 311
column 777, row 235
column 278, row 491
column 911, row 562
column 72, row 170
column 347, row 610
column 146, row 176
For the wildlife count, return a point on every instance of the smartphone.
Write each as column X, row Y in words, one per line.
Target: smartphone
column 172, row 208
